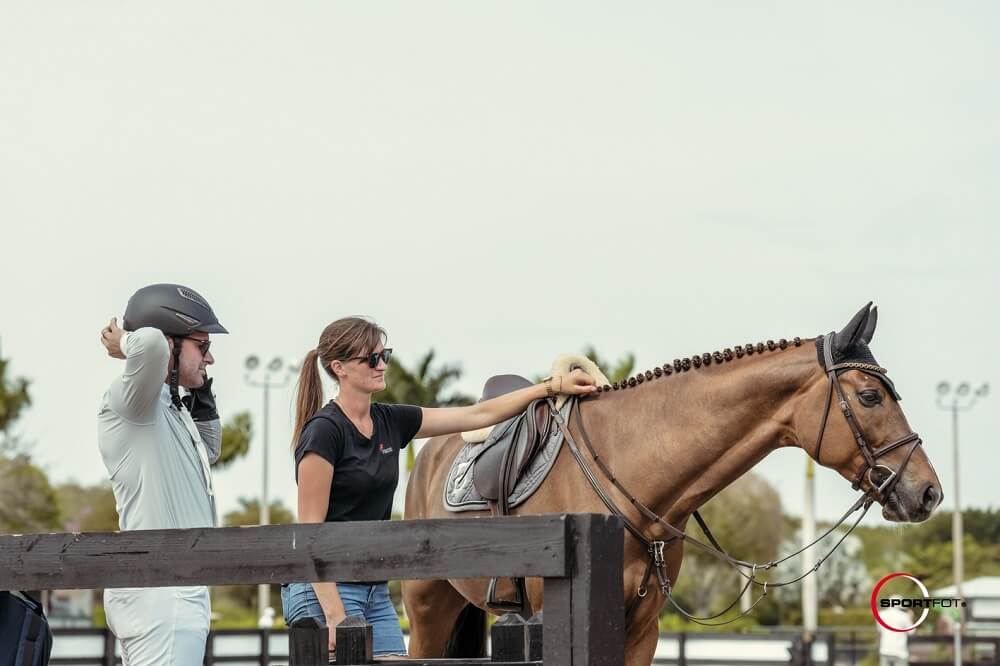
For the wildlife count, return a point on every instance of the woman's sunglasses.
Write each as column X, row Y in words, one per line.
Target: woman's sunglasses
column 374, row 357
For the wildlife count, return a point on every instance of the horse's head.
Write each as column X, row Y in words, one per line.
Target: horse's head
column 862, row 431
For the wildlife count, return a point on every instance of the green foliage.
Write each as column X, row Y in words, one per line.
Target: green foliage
column 674, row 623
column 235, row 607
column 983, row 525
column 236, row 436
column 14, row 397
column 28, row 502
column 926, row 550
column 422, row 385
column 249, row 513
column 747, row 521
column 87, row 508
column 99, row 620
column 932, row 563
column 882, row 548
column 615, row 372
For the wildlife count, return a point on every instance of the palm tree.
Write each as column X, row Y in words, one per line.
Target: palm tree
column 424, row 385
column 236, row 436
column 614, row 372
column 622, row 369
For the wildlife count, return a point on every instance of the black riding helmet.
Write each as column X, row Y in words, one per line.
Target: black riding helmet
column 172, row 308
column 177, row 311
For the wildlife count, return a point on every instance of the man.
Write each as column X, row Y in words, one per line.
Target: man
column 157, row 448
column 893, row 649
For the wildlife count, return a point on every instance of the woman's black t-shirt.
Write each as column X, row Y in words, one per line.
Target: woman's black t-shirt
column 365, row 471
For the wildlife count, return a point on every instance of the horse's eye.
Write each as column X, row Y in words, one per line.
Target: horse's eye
column 870, row 397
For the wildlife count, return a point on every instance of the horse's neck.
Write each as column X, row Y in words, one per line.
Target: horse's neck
column 677, row 441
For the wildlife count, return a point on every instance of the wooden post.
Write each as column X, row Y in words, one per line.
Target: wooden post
column 507, row 638
column 585, row 614
column 209, row 649
column 535, row 629
column 682, row 649
column 831, row 649
column 109, row 648
column 308, row 643
column 265, row 647
column 354, row 641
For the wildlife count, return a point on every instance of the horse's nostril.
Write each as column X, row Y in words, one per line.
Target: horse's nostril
column 931, row 497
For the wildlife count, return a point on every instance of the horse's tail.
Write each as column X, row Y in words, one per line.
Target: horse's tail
column 468, row 638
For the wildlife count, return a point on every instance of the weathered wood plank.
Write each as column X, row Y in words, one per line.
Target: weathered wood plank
column 345, row 552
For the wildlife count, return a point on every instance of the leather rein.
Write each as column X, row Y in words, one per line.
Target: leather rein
column 748, row 570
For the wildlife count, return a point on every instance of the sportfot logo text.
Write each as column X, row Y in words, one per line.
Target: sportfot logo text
column 924, row 603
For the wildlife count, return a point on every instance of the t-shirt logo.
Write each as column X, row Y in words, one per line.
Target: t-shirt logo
column 383, row 449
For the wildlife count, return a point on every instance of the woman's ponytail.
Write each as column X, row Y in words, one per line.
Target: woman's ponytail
column 310, row 395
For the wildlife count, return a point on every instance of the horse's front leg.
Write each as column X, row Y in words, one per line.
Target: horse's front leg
column 640, row 639
column 432, row 607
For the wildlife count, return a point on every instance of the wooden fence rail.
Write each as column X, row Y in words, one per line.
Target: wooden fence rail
column 579, row 556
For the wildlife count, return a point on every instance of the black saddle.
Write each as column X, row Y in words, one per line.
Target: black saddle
column 515, row 443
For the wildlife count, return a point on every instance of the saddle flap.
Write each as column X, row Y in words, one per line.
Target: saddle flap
column 497, row 470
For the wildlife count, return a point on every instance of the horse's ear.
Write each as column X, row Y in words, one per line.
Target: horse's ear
column 869, row 332
column 852, row 334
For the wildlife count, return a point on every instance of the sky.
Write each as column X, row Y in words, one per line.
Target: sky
column 503, row 182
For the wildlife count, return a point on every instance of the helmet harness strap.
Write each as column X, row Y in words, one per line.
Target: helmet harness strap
column 175, row 397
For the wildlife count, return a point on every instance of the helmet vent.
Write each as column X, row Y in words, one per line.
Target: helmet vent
column 193, row 297
column 190, row 321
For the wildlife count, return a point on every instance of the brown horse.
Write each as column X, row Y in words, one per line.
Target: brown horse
column 677, row 436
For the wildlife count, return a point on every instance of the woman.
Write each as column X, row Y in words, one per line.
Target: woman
column 347, row 459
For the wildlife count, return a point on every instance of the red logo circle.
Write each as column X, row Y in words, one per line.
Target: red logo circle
column 878, row 587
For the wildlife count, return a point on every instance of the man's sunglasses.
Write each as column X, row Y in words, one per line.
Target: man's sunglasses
column 374, row 357
column 203, row 345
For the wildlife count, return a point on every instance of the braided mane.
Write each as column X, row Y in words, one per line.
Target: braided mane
column 681, row 365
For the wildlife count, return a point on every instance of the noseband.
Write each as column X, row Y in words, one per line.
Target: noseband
column 655, row 547
column 878, row 491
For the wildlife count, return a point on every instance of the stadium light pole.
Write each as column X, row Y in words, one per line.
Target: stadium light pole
column 810, row 592
column 961, row 398
column 275, row 368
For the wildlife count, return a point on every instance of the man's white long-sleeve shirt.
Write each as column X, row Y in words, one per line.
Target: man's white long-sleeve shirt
column 157, row 457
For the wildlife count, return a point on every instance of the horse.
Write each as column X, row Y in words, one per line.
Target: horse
column 675, row 436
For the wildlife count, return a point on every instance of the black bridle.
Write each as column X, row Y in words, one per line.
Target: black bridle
column 748, row 570
column 879, row 491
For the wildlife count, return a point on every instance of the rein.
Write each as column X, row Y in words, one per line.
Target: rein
column 656, row 547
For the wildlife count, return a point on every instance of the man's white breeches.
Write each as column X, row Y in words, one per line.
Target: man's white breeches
column 159, row 626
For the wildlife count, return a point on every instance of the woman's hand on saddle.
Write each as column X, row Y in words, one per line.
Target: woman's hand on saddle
column 446, row 420
column 577, row 382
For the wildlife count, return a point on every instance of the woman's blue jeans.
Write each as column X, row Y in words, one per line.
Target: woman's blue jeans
column 371, row 602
